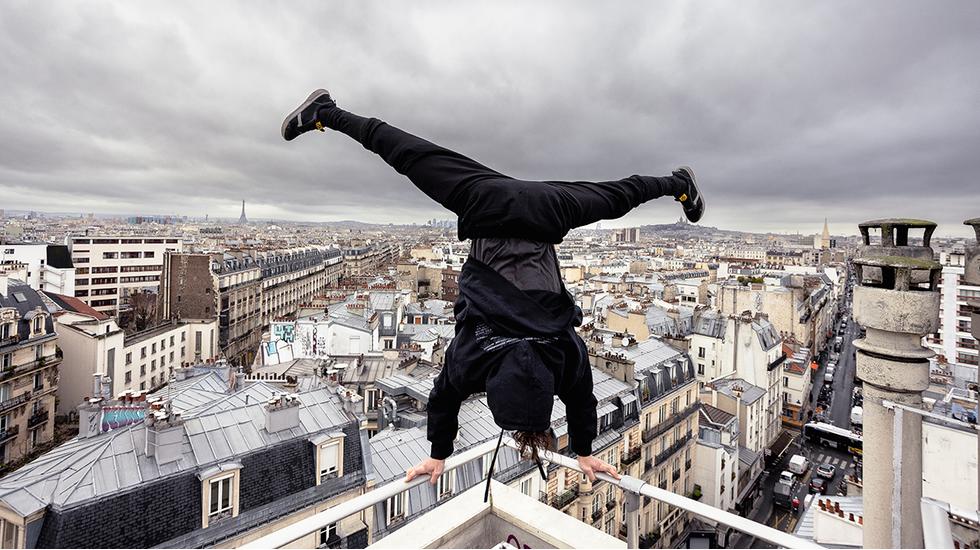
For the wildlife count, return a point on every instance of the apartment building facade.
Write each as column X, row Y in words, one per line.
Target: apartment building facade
column 954, row 341
column 45, row 266
column 716, row 458
column 658, row 446
column 110, row 268
column 29, row 365
column 293, row 277
column 245, row 291
column 93, row 344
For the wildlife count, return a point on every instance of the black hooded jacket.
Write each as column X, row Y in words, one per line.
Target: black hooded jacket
column 520, row 347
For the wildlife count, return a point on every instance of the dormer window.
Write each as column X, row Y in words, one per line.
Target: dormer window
column 39, row 324
column 329, row 456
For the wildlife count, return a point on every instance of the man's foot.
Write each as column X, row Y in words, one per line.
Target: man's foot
column 691, row 199
column 304, row 118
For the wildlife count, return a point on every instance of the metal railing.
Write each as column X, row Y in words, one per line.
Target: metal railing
column 314, row 523
column 672, row 420
column 14, row 401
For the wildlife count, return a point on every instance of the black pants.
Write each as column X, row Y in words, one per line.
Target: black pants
column 490, row 204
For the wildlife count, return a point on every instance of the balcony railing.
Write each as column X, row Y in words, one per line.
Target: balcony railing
column 632, row 456
column 610, row 504
column 564, row 498
column 676, row 475
column 9, row 433
column 676, row 446
column 668, row 423
column 596, row 514
column 36, row 419
column 648, row 465
column 14, row 401
column 313, row 524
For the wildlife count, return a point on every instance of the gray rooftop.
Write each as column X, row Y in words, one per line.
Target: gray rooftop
column 84, row 469
column 728, row 386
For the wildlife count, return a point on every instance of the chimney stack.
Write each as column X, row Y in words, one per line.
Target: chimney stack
column 282, row 412
column 897, row 303
column 164, row 433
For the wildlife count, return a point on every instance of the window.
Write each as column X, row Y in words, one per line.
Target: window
column 9, row 534
column 526, row 486
column 329, row 467
column 5, row 361
column 701, row 352
column 148, row 254
column 142, row 370
column 163, row 343
column 395, row 507
column 153, row 365
column 153, row 348
column 371, row 399
column 38, row 382
column 143, row 352
column 110, row 255
column 445, row 485
column 171, row 340
column 220, row 497
column 328, row 535
column 596, row 503
column 129, row 358
column 785, row 381
column 129, row 377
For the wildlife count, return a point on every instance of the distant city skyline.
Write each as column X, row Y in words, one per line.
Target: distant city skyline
column 126, row 108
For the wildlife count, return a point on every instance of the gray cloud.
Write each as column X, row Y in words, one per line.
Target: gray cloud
column 790, row 112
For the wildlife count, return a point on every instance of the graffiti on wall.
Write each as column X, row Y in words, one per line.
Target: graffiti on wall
column 283, row 331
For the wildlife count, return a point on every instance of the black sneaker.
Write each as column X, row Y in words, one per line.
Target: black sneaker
column 691, row 200
column 303, row 119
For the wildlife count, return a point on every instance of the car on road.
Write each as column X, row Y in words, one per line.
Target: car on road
column 818, row 485
column 786, row 475
column 826, row 471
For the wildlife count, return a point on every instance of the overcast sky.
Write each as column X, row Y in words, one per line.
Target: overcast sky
column 788, row 111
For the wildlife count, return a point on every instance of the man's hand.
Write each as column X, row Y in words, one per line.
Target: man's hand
column 590, row 465
column 430, row 466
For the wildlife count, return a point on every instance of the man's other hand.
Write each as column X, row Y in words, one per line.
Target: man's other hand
column 590, row 465
column 430, row 466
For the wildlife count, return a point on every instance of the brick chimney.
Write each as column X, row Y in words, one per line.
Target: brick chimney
column 897, row 302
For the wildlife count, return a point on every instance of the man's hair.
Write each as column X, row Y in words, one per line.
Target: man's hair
column 531, row 442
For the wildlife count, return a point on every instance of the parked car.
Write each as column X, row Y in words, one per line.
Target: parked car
column 786, row 475
column 826, row 471
column 818, row 485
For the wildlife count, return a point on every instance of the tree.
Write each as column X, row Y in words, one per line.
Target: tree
column 142, row 310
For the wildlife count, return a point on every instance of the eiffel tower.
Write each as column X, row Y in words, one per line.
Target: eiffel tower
column 242, row 219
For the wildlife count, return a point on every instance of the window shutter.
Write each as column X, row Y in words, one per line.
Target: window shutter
column 328, row 458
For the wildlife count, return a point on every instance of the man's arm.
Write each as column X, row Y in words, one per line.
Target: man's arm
column 580, row 409
column 443, row 416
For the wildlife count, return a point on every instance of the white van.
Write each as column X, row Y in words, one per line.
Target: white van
column 857, row 415
column 798, row 464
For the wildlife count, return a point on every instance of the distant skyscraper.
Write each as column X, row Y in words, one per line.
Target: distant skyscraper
column 242, row 219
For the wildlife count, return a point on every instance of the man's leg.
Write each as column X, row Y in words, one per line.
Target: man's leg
column 440, row 173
